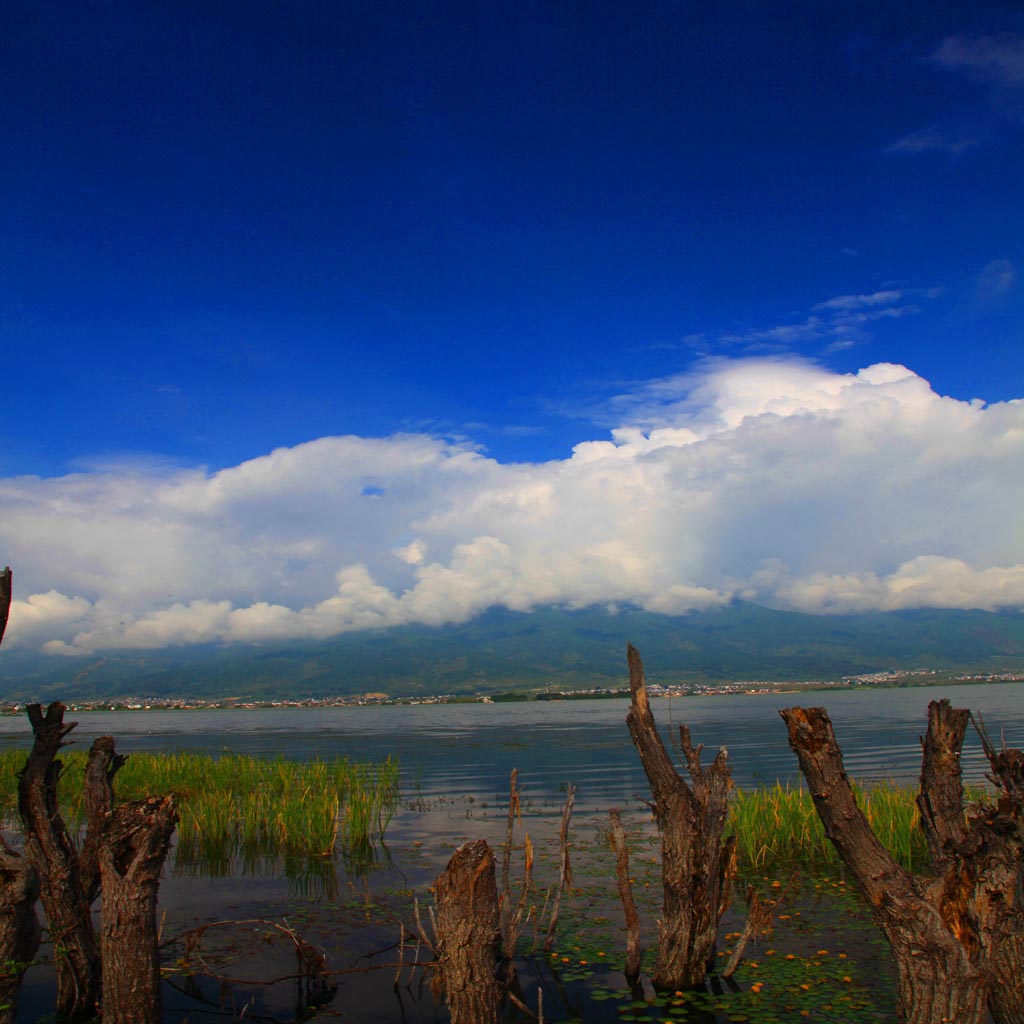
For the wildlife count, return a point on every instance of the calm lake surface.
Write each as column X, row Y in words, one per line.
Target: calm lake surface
column 468, row 750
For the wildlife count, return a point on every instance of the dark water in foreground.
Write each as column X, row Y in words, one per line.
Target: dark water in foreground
column 455, row 763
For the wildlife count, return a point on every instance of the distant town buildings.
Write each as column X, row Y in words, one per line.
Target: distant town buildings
column 907, row 677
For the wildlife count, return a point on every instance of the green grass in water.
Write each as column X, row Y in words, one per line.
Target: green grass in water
column 241, row 804
column 776, row 826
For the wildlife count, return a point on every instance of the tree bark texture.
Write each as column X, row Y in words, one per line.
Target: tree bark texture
column 992, row 847
column 19, row 890
column 5, row 599
column 469, row 935
column 50, row 851
column 697, row 865
column 101, row 766
column 19, row 926
column 948, row 932
column 134, row 843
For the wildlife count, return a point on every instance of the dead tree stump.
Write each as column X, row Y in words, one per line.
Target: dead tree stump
column 697, row 865
column 469, row 935
column 951, row 934
column 19, row 926
column 19, row 890
column 52, row 854
column 134, row 843
column 994, row 844
column 5, row 598
column 100, row 768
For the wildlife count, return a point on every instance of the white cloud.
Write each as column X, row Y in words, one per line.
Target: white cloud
column 412, row 554
column 837, row 323
column 930, row 580
column 997, row 64
column 996, row 279
column 935, row 140
column 851, row 302
column 996, row 59
column 774, row 480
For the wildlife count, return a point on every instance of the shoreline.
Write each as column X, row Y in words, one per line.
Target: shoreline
column 881, row 680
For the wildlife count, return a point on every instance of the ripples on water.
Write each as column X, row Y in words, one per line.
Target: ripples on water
column 468, row 750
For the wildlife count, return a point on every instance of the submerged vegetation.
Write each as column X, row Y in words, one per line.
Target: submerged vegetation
column 239, row 804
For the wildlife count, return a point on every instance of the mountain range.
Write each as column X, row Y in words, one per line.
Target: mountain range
column 511, row 651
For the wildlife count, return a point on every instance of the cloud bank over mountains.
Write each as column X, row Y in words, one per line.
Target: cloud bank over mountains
column 770, row 480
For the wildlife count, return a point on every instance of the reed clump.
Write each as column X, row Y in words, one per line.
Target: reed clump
column 777, row 826
column 239, row 804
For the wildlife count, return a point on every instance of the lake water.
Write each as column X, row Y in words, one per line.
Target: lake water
column 469, row 749
column 455, row 761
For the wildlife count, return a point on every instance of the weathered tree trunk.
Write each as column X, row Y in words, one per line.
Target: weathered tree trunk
column 993, row 846
column 50, row 851
column 946, row 931
column 19, row 890
column 102, row 765
column 19, row 926
column 131, row 853
column 697, row 866
column 5, row 598
column 469, row 935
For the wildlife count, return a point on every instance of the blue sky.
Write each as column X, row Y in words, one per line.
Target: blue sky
column 501, row 229
column 229, row 227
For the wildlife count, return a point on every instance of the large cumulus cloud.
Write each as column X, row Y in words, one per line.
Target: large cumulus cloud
column 770, row 480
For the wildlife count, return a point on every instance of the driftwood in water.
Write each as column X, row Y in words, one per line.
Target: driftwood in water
column 469, row 935
column 51, row 852
column 134, row 843
column 618, row 840
column 19, row 890
column 956, row 935
column 697, row 865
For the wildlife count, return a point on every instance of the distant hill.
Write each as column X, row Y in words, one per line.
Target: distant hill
column 503, row 650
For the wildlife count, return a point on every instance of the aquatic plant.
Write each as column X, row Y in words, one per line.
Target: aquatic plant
column 777, row 826
column 242, row 804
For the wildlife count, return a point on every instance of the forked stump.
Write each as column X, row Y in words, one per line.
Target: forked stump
column 697, row 865
column 469, row 935
column 19, row 890
column 954, row 934
column 134, row 844
column 49, row 849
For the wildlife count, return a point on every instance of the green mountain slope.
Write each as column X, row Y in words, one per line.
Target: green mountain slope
column 502, row 650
